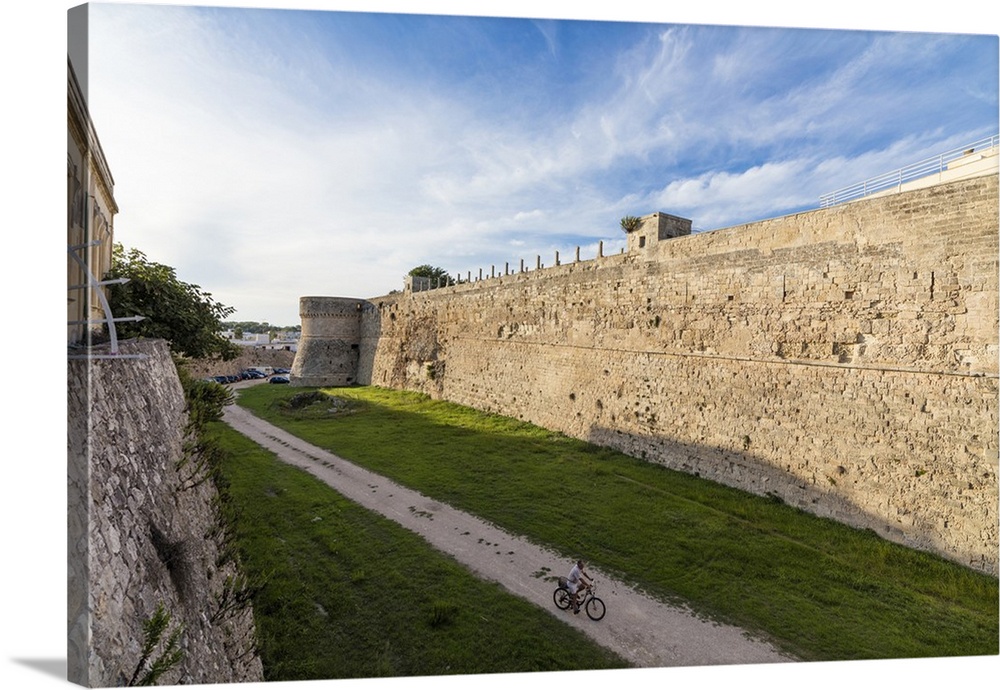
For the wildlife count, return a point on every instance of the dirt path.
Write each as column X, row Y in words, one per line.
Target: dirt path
column 644, row 631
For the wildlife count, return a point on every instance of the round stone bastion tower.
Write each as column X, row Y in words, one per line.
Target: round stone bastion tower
column 330, row 342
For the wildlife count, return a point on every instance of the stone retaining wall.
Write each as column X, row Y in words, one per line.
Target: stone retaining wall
column 143, row 530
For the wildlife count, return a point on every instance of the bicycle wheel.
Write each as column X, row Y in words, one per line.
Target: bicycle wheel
column 561, row 598
column 595, row 609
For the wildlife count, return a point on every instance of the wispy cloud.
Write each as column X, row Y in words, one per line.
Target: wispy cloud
column 269, row 155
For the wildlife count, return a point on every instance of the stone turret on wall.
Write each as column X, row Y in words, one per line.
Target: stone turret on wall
column 330, row 343
column 656, row 227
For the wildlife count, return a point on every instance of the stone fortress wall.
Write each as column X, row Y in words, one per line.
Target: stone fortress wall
column 843, row 359
column 143, row 530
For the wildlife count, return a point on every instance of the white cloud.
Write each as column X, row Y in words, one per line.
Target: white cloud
column 720, row 198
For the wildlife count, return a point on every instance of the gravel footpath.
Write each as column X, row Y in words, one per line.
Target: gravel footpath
column 642, row 630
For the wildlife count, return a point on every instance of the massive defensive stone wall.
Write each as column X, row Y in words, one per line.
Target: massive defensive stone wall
column 844, row 360
column 143, row 531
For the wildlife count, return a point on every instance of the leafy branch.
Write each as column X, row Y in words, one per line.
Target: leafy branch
column 153, row 630
column 237, row 594
column 181, row 313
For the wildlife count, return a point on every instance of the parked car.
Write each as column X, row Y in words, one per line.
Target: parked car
column 282, row 370
column 278, row 378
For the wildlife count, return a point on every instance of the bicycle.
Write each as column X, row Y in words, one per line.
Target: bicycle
column 591, row 603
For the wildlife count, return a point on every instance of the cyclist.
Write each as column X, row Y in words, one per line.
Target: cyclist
column 578, row 580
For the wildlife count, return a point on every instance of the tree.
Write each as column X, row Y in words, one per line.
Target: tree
column 432, row 272
column 178, row 312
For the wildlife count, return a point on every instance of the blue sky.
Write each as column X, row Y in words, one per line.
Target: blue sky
column 270, row 154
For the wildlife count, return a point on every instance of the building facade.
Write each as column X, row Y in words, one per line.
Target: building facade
column 90, row 212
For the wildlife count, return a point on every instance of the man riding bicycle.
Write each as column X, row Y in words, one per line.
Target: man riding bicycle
column 577, row 581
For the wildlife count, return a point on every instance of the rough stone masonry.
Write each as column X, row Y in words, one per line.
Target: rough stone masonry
column 843, row 360
column 144, row 531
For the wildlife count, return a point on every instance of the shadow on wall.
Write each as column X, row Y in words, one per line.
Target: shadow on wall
column 371, row 329
column 748, row 472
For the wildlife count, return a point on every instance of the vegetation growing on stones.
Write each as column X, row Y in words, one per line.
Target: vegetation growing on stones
column 316, row 403
column 237, row 594
column 205, row 403
column 149, row 672
column 300, row 400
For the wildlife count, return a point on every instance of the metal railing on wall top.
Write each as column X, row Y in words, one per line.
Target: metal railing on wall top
column 929, row 166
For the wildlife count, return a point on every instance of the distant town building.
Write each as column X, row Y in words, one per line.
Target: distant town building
column 283, row 340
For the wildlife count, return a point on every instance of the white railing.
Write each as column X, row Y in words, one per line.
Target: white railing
column 897, row 178
column 92, row 283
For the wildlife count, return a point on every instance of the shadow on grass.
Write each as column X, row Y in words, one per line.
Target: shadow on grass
column 824, row 590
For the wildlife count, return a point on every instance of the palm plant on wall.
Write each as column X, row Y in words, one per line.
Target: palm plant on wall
column 629, row 223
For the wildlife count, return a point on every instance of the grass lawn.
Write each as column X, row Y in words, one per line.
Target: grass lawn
column 819, row 589
column 341, row 592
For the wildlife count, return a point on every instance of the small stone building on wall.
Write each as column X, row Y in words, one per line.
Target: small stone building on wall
column 655, row 228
